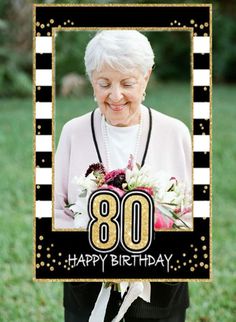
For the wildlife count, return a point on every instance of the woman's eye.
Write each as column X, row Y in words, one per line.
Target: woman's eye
column 128, row 84
column 104, row 85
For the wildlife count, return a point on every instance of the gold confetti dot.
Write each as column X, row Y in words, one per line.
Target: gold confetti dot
column 38, row 187
column 191, row 245
column 41, row 237
column 39, row 246
column 38, row 34
column 42, row 263
column 64, row 266
column 204, row 247
column 205, row 34
column 184, row 255
column 59, row 254
column 48, row 264
column 38, row 132
column 66, row 260
column 65, row 23
column 192, row 269
column 68, row 268
column 72, row 23
column 203, row 237
column 51, row 268
column 195, row 256
column 195, row 249
column 68, row 20
column 54, row 261
column 177, row 261
column 205, row 187
column 42, row 26
column 204, row 191
column 205, row 255
column 52, row 245
column 201, row 26
column 175, row 21
column 59, row 263
column 206, row 266
column 37, row 266
column 43, row 160
column 48, row 249
column 48, row 255
column 206, row 24
column 179, row 266
column 205, row 88
column 192, row 21
column 38, row 255
column 37, row 23
column 38, row 88
column 201, row 264
column 48, row 34
column 175, row 269
column 190, row 261
column 171, row 266
column 179, row 23
column 184, row 263
column 195, row 34
column 39, row 126
column 171, row 23
column 51, row 21
column 48, row 24
column 195, row 265
column 195, row 25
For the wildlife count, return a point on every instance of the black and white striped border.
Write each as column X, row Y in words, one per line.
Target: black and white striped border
column 201, row 129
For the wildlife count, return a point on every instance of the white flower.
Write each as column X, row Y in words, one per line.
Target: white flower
column 86, row 184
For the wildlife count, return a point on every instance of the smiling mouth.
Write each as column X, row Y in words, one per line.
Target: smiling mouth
column 117, row 107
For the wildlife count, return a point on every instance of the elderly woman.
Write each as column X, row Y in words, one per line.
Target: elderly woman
column 119, row 65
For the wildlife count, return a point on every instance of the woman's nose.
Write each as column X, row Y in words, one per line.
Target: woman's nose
column 116, row 94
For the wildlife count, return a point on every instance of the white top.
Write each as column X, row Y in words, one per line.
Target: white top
column 120, row 143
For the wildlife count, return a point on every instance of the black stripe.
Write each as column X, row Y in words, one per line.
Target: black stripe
column 44, row 159
column 94, row 137
column 200, row 94
column 201, row 61
column 43, row 126
column 44, row 61
column 201, row 126
column 201, row 159
column 43, row 93
column 201, row 192
column 43, row 192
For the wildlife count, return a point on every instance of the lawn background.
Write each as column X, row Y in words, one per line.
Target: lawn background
column 21, row 299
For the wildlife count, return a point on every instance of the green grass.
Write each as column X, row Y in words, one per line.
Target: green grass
column 21, row 299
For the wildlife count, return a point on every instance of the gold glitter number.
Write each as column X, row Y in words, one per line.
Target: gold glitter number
column 103, row 228
column 136, row 221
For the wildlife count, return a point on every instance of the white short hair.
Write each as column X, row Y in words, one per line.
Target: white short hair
column 120, row 49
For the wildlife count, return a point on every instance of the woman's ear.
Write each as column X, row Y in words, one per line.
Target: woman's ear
column 148, row 74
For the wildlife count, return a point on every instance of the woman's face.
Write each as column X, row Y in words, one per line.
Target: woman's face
column 119, row 95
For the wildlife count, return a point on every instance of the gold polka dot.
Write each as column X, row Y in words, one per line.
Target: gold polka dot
column 201, row 264
column 205, row 255
column 51, row 21
column 68, row 20
column 37, row 266
column 205, row 88
column 48, row 24
column 195, row 34
column 66, row 261
column 177, row 261
column 43, row 160
column 206, row 266
column 201, row 26
column 191, row 245
column 42, row 26
column 38, row 255
column 38, row 132
column 184, row 26
column 196, row 265
column 38, row 34
column 48, row 249
column 175, row 21
column 37, row 23
column 205, row 187
column 48, row 255
column 38, row 187
column 59, row 263
column 48, row 34
column 51, row 268
column 204, row 191
column 59, row 254
column 184, row 255
column 195, row 249
column 179, row 23
column 171, row 23
column 195, row 256
column 184, row 263
column 39, row 246
column 206, row 24
column 72, row 23
column 48, row 264
column 54, row 261
column 175, row 269
column 64, row 266
column 38, row 88
column 192, row 21
column 203, row 237
column 65, row 23
column 39, row 126
column 41, row 237
column 205, row 34
column 195, row 25
column 204, row 247
column 42, row 263
column 192, row 269
column 190, row 261
column 179, row 266
column 68, row 268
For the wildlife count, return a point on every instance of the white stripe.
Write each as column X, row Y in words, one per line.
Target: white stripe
column 43, row 143
column 43, row 176
column 43, row 77
column 201, row 176
column 201, row 143
column 201, row 44
column 43, row 110
column 201, row 209
column 201, row 77
column 43, row 209
column 201, row 110
column 43, row 45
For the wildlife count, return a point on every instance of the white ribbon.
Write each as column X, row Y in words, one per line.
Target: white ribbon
column 136, row 289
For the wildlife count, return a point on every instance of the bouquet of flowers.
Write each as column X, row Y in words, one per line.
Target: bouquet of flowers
column 172, row 199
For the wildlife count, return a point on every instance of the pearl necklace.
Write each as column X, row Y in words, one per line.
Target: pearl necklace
column 106, row 141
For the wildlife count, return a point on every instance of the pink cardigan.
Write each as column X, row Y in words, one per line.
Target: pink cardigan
column 169, row 150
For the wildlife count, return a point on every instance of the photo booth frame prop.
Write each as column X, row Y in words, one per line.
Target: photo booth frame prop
column 66, row 255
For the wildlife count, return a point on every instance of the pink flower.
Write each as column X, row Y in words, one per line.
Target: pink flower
column 117, row 190
column 149, row 190
column 161, row 221
column 113, row 174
